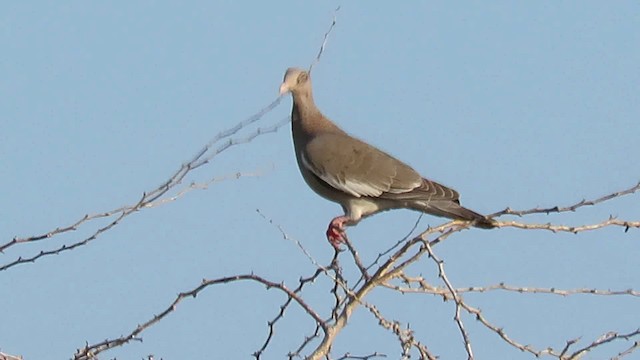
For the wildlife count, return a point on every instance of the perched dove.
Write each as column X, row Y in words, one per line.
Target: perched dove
column 361, row 178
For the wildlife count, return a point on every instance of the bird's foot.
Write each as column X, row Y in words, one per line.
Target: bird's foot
column 336, row 232
column 335, row 237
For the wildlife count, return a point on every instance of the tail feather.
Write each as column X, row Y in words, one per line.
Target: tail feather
column 453, row 210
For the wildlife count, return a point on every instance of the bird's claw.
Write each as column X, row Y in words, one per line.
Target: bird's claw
column 336, row 236
column 336, row 232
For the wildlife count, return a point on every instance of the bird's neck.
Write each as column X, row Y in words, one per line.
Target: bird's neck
column 306, row 117
column 303, row 106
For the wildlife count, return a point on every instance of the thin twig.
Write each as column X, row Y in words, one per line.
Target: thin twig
column 574, row 207
column 307, row 340
column 361, row 357
column 91, row 351
column 424, row 287
column 147, row 200
column 572, row 229
column 405, row 335
column 173, row 180
column 4, row 356
column 628, row 351
column 456, row 297
column 271, row 324
column 604, row 339
column 325, row 38
column 356, row 258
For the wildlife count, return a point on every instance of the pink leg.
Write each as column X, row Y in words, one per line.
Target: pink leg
column 335, row 232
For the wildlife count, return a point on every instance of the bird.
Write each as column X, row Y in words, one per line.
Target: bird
column 363, row 179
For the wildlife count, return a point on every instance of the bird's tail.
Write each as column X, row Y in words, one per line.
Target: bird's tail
column 453, row 210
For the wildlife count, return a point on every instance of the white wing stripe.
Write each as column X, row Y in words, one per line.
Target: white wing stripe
column 357, row 189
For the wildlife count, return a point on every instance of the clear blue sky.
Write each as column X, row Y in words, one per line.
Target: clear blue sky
column 511, row 104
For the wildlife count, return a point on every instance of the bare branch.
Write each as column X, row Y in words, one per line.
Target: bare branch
column 147, row 200
column 572, row 229
column 567, row 346
column 4, row 356
column 325, row 38
column 271, row 324
column 553, row 291
column 404, row 257
column 304, row 344
column 424, row 287
column 295, row 241
column 604, row 339
column 197, row 160
column 90, row 351
column 355, row 296
column 340, row 321
column 628, row 351
column 356, row 259
column 361, row 357
column 206, row 185
column 64, row 248
column 395, row 246
column 574, row 207
column 503, row 335
column 405, row 336
column 456, row 298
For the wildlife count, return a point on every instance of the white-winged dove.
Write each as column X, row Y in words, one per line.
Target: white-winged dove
column 361, row 178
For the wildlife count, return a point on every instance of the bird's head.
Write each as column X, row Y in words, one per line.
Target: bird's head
column 295, row 80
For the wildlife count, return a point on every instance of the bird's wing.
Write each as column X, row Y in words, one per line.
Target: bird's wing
column 359, row 169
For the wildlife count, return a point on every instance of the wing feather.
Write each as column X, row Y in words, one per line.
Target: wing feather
column 358, row 169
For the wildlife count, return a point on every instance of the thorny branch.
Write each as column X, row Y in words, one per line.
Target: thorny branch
column 574, row 207
column 91, row 351
column 456, row 298
column 271, row 324
column 572, row 229
column 409, row 253
column 405, row 336
column 605, row 338
column 149, row 198
column 628, row 351
column 400, row 257
column 305, row 342
column 152, row 198
column 324, row 39
column 4, row 356
column 361, row 357
column 424, row 287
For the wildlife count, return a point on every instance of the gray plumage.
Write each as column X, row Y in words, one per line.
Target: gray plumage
column 361, row 178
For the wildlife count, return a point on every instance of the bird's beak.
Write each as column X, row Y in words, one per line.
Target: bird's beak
column 283, row 89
